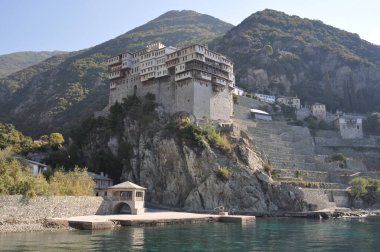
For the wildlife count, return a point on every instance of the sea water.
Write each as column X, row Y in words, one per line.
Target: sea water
column 271, row 234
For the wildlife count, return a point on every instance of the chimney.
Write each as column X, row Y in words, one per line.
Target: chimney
column 101, row 174
column 106, row 175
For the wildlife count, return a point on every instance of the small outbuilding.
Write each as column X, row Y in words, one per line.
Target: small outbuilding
column 261, row 115
column 103, row 182
column 350, row 127
column 36, row 167
column 127, row 197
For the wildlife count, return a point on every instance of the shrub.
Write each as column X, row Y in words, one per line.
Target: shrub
column 268, row 168
column 11, row 137
column 200, row 135
column 224, row 173
column 16, row 178
column 358, row 187
column 288, row 111
column 72, row 183
column 298, row 174
column 235, row 98
column 217, row 139
column 312, row 123
column 339, row 157
column 363, row 187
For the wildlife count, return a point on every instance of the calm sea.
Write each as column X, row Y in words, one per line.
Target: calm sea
column 282, row 234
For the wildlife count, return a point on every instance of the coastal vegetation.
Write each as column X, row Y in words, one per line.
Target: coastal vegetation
column 14, row 139
column 224, row 173
column 367, row 188
column 16, row 178
column 268, row 169
column 199, row 135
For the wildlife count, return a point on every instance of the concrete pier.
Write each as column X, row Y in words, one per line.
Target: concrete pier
column 102, row 222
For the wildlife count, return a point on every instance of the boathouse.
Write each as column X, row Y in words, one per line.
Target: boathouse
column 127, row 197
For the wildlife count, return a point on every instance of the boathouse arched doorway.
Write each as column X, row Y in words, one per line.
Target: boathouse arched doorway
column 122, row 208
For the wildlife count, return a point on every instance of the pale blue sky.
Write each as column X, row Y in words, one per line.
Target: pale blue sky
column 68, row 25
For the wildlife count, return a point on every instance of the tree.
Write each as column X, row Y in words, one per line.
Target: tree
column 312, row 123
column 235, row 98
column 372, row 124
column 268, row 50
column 56, row 140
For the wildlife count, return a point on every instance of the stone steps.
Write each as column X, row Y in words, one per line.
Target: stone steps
column 295, row 166
column 305, row 175
column 314, row 185
column 284, row 151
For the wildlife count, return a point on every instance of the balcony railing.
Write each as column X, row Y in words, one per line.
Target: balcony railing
column 183, row 76
column 114, row 60
column 114, row 75
column 126, row 64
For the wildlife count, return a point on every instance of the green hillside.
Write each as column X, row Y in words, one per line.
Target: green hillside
column 13, row 62
column 64, row 90
column 280, row 54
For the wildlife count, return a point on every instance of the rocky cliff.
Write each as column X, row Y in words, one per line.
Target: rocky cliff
column 183, row 170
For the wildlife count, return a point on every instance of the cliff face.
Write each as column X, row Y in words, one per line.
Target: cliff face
column 281, row 54
column 179, row 172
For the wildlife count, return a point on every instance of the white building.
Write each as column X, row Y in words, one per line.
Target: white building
column 266, row 98
column 239, row 91
column 261, row 115
column 319, row 111
column 290, row 101
column 191, row 79
column 350, row 127
column 127, row 197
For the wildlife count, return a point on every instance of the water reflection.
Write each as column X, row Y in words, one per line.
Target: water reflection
column 262, row 235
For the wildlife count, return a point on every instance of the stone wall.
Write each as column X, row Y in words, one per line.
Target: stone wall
column 19, row 209
column 324, row 198
column 193, row 96
column 221, row 104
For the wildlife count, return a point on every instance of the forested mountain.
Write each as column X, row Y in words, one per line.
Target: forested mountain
column 276, row 53
column 65, row 89
column 273, row 52
column 13, row 62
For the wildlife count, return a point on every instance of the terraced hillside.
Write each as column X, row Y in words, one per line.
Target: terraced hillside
column 292, row 153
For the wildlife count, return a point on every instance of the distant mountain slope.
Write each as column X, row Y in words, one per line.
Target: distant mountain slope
column 281, row 54
column 64, row 90
column 13, row 62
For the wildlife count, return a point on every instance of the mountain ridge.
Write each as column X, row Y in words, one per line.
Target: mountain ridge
column 278, row 54
column 59, row 97
column 274, row 53
column 16, row 61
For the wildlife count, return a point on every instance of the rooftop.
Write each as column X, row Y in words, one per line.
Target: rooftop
column 259, row 111
column 97, row 176
column 127, row 185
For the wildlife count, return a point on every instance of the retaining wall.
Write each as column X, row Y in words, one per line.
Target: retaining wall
column 19, row 209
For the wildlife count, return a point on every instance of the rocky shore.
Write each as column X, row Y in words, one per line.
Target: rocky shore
column 53, row 225
column 10, row 226
column 22, row 214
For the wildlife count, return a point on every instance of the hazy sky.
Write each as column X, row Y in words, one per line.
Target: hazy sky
column 68, row 25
